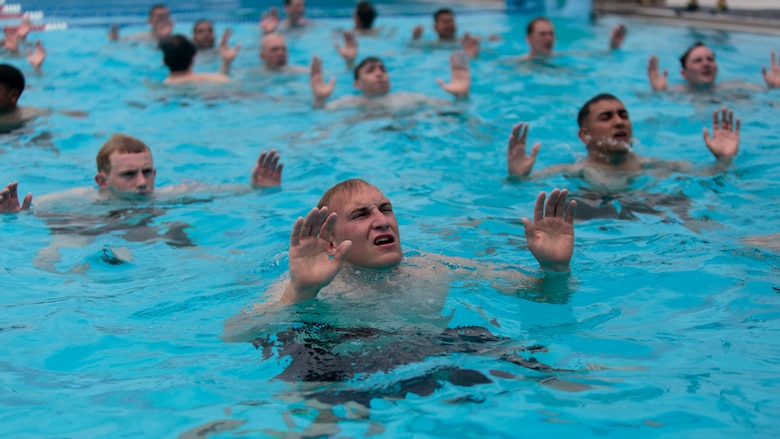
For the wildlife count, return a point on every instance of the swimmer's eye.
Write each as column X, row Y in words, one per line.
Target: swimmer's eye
column 386, row 208
column 148, row 172
column 623, row 114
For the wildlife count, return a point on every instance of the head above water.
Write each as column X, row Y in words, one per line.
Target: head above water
column 158, row 12
column 203, row 34
column 444, row 23
column 365, row 13
column 540, row 36
column 11, row 87
column 371, row 77
column 294, row 9
column 366, row 218
column 605, row 126
column 125, row 166
column 178, row 52
column 699, row 67
column 273, row 51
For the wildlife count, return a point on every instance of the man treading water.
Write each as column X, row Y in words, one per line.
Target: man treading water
column 354, row 304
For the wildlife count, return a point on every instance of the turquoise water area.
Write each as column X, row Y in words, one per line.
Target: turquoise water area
column 668, row 325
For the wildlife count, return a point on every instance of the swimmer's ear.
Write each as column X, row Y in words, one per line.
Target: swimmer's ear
column 331, row 248
column 101, row 179
column 584, row 135
column 684, row 74
column 14, row 95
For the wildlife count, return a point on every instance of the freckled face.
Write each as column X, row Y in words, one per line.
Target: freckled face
column 366, row 218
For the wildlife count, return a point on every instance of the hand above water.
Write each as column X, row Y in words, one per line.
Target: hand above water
column 311, row 264
column 320, row 89
column 9, row 199
column 517, row 162
column 724, row 142
column 657, row 81
column 772, row 77
column 550, row 237
column 460, row 75
column 267, row 171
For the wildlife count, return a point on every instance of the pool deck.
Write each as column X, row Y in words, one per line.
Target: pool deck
column 753, row 16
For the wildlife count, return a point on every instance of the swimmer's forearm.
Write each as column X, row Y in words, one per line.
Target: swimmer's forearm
column 293, row 294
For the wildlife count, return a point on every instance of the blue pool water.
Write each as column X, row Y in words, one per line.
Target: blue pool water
column 670, row 324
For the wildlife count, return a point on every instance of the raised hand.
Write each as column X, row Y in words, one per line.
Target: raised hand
column 517, row 162
column 9, row 199
column 11, row 42
column 417, row 32
column 460, row 76
column 657, row 81
column 617, row 36
column 349, row 51
column 311, row 264
column 320, row 89
column 772, row 77
column 470, row 45
column 228, row 53
column 267, row 171
column 269, row 21
column 724, row 143
column 550, row 237
column 36, row 58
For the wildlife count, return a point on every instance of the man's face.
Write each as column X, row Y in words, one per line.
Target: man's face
column 8, row 99
column 366, row 218
column 607, row 128
column 700, row 66
column 373, row 79
column 295, row 10
column 160, row 20
column 203, row 35
column 445, row 26
column 542, row 39
column 130, row 174
column 273, row 50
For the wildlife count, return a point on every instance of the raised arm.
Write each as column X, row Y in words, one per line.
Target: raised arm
column 617, row 36
column 35, row 58
column 9, row 199
column 470, row 45
column 772, row 77
column 227, row 53
column 460, row 76
column 349, row 51
column 311, row 265
column 417, row 32
column 267, row 171
column 269, row 21
column 657, row 81
column 517, row 162
column 550, row 237
column 319, row 88
column 724, row 142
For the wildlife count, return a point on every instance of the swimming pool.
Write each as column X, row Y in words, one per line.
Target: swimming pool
column 671, row 325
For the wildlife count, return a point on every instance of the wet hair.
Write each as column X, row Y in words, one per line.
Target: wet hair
column 118, row 144
column 530, row 28
column 368, row 60
column 346, row 187
column 582, row 116
column 684, row 57
column 178, row 52
column 155, row 7
column 441, row 12
column 11, row 78
column 366, row 14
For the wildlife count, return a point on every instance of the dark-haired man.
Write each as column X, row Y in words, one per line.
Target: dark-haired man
column 12, row 82
column 700, row 70
column 364, row 17
column 373, row 82
column 179, row 55
column 160, row 22
column 447, row 31
column 294, row 11
column 203, row 34
column 606, row 131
